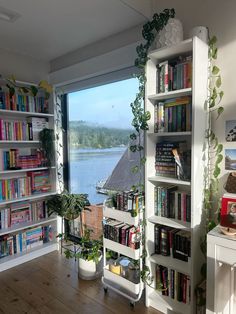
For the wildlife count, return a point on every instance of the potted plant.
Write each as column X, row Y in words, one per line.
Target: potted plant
column 68, row 206
column 89, row 255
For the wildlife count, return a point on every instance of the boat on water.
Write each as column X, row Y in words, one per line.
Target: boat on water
column 100, row 186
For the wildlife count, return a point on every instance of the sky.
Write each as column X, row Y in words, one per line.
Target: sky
column 108, row 104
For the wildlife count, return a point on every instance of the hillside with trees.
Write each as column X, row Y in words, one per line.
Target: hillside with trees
column 85, row 135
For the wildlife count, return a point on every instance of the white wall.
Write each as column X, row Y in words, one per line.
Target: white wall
column 22, row 67
column 115, row 53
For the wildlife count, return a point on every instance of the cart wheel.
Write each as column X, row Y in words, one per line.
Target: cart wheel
column 132, row 304
column 105, row 289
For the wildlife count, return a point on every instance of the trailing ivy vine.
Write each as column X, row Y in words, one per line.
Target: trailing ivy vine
column 213, row 149
column 212, row 156
column 141, row 117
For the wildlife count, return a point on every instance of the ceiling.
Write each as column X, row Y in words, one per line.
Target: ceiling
column 47, row 29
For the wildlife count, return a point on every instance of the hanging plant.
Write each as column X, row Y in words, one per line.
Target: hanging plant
column 141, row 117
column 46, row 138
column 212, row 155
column 213, row 149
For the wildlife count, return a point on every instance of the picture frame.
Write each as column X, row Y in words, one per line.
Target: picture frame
column 228, row 212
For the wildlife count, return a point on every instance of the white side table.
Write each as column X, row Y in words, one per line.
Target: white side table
column 221, row 273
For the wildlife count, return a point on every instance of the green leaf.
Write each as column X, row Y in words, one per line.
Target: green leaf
column 211, row 225
column 214, row 53
column 133, row 148
column 216, row 172
column 33, row 90
column 215, row 70
column 133, row 136
column 218, row 82
column 219, row 159
column 219, row 111
column 221, row 94
column 134, row 169
column 212, row 40
column 212, row 103
column 219, row 148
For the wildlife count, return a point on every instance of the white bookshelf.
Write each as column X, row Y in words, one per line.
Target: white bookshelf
column 36, row 250
column 195, row 139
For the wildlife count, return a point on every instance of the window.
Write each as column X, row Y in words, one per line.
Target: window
column 99, row 125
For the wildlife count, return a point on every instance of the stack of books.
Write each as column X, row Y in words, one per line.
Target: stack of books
column 14, row 188
column 130, row 201
column 40, row 181
column 165, row 161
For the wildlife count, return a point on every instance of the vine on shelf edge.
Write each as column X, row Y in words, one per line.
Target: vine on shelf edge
column 141, row 117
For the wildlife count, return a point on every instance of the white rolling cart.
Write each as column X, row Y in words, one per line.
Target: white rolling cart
column 123, row 286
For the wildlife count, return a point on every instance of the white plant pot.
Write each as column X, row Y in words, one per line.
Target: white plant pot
column 171, row 34
column 89, row 270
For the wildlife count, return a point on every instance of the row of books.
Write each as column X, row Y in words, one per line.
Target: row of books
column 122, row 233
column 174, row 74
column 11, row 244
column 34, row 182
column 165, row 162
column 130, row 201
column 22, row 130
column 172, row 203
column 173, row 284
column 13, row 188
column 14, row 159
column 172, row 242
column 173, row 160
column 173, row 115
column 19, row 102
column 22, row 212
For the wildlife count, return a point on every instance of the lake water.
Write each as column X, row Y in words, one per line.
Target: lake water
column 88, row 166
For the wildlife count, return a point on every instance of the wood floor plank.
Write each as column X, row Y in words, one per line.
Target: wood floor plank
column 55, row 306
column 50, row 284
column 12, row 303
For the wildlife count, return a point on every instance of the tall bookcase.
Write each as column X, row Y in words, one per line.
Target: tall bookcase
column 174, row 272
column 26, row 231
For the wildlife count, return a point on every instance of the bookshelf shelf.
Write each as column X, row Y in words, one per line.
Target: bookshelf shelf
column 173, row 263
column 164, row 303
column 120, row 215
column 19, row 258
column 171, row 222
column 14, row 113
column 26, row 198
column 18, row 142
column 168, row 180
column 122, row 249
column 30, row 224
column 176, row 90
column 165, row 53
column 20, row 147
column 172, row 94
column 122, row 283
column 24, row 170
column 167, row 134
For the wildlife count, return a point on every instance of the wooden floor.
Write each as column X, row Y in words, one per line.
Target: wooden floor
column 50, row 284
